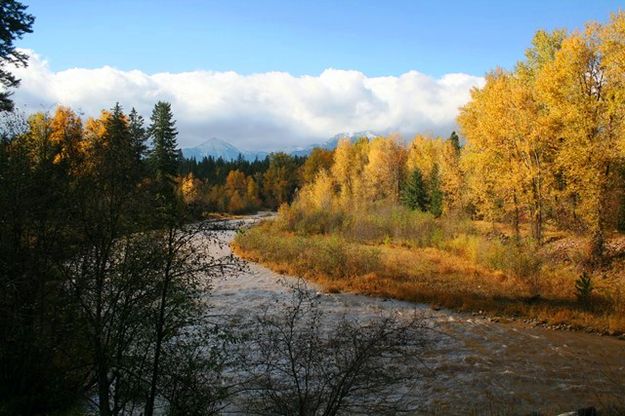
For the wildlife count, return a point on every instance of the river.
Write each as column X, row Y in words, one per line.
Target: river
column 473, row 363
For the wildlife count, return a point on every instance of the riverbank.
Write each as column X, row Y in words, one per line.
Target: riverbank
column 537, row 289
column 473, row 365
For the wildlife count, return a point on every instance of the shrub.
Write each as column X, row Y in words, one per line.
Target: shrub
column 584, row 288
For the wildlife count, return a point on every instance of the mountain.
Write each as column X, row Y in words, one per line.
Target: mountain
column 332, row 142
column 220, row 149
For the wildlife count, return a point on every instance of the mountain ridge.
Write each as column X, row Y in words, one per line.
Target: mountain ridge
column 218, row 148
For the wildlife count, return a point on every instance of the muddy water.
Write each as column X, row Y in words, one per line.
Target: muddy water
column 471, row 364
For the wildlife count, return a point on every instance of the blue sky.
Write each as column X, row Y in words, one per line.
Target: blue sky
column 269, row 75
column 300, row 37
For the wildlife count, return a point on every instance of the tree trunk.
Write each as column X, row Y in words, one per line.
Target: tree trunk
column 160, row 324
column 537, row 231
column 515, row 220
column 597, row 244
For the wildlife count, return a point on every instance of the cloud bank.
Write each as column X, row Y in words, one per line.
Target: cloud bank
column 264, row 111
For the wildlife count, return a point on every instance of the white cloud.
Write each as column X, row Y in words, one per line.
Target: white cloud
column 260, row 111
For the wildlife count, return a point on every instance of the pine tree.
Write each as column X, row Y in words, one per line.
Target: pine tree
column 14, row 23
column 455, row 141
column 414, row 194
column 164, row 155
column 119, row 161
column 138, row 133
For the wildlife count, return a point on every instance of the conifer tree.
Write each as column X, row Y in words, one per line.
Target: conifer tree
column 138, row 133
column 414, row 194
column 455, row 141
column 164, row 155
column 14, row 23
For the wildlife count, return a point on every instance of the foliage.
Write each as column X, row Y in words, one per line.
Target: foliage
column 100, row 283
column 164, row 154
column 414, row 193
column 584, row 288
column 436, row 193
column 15, row 22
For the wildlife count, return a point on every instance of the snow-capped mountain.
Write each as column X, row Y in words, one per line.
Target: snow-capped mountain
column 220, row 149
column 332, row 142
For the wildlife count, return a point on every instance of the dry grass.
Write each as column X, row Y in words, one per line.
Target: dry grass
column 445, row 266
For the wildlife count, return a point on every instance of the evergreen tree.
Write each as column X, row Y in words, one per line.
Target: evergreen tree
column 138, row 133
column 14, row 23
column 164, row 155
column 118, row 163
column 455, row 141
column 414, row 194
column 435, row 192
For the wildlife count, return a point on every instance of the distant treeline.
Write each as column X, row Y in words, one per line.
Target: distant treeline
column 240, row 186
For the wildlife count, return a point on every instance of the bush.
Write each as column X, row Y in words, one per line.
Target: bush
column 330, row 256
column 584, row 288
column 297, row 219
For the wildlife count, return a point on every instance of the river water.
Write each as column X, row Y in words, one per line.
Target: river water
column 472, row 364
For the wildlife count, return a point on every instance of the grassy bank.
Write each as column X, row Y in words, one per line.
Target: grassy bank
column 451, row 263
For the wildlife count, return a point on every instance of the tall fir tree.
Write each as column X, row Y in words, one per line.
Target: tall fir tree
column 138, row 132
column 164, row 156
column 414, row 195
column 14, row 23
column 455, row 141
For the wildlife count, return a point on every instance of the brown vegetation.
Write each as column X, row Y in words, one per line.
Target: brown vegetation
column 458, row 264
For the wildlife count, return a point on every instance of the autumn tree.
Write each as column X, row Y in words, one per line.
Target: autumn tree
column 317, row 160
column 280, row 179
column 350, row 160
column 453, row 183
column 66, row 135
column 435, row 192
column 252, row 193
column 423, row 152
column 190, row 188
column 236, row 191
column 384, row 172
column 583, row 91
column 508, row 148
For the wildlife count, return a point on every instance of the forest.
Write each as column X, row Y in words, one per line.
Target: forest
column 240, row 186
column 108, row 261
column 522, row 217
column 112, row 245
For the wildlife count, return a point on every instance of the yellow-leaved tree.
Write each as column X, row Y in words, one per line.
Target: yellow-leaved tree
column 66, row 135
column 582, row 89
column 350, row 160
column 385, row 172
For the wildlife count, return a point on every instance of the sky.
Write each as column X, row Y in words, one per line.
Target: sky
column 271, row 74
